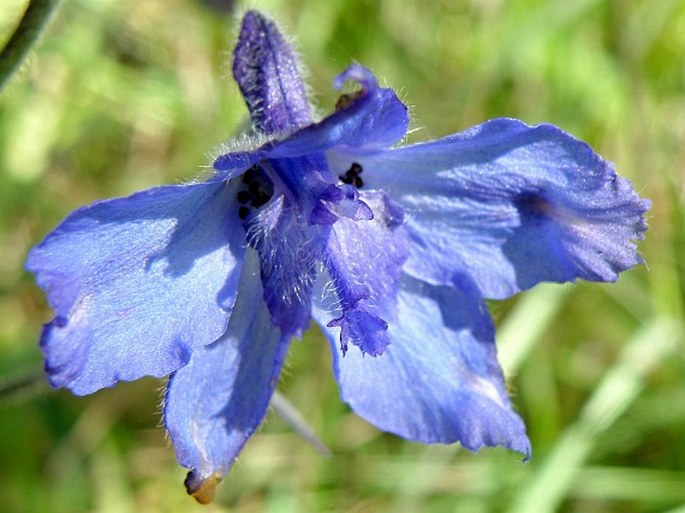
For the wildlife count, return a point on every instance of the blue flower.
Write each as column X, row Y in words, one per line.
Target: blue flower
column 390, row 249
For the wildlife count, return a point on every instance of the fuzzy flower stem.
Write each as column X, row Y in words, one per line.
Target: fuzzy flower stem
column 291, row 416
column 25, row 36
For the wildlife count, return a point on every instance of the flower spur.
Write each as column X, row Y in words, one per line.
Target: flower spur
column 391, row 249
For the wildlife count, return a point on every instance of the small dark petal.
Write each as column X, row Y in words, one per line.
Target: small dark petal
column 243, row 212
column 332, row 193
column 244, row 197
column 322, row 215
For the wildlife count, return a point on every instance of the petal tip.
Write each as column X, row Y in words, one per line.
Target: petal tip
column 202, row 489
column 357, row 73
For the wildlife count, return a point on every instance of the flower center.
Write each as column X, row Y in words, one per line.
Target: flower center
column 257, row 191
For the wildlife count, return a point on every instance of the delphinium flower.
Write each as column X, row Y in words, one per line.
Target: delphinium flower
column 390, row 249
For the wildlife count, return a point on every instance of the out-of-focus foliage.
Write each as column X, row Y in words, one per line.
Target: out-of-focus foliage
column 122, row 95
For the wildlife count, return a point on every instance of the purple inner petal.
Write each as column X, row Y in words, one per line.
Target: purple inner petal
column 267, row 72
column 374, row 118
column 364, row 260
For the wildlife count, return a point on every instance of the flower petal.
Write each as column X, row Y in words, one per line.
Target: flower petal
column 267, row 72
column 137, row 283
column 373, row 118
column 439, row 380
column 289, row 250
column 216, row 402
column 340, row 201
column 234, row 164
column 364, row 260
column 510, row 205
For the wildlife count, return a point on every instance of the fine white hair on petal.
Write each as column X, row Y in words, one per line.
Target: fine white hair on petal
column 326, row 290
column 267, row 234
column 245, row 142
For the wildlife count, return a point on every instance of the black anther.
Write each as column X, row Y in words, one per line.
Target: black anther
column 351, row 176
column 251, row 174
column 260, row 199
column 253, row 187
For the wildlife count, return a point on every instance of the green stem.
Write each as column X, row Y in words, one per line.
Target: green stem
column 21, row 386
column 25, row 36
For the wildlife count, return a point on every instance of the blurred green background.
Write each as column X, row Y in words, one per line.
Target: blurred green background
column 126, row 94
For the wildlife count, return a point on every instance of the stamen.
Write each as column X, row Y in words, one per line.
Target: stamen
column 260, row 199
column 251, row 174
column 351, row 176
column 259, row 191
column 253, row 187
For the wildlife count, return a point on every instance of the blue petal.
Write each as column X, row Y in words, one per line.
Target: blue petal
column 510, row 205
column 232, row 165
column 340, row 201
column 289, row 251
column 267, row 72
column 374, row 118
column 216, row 402
column 137, row 283
column 439, row 380
column 364, row 259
